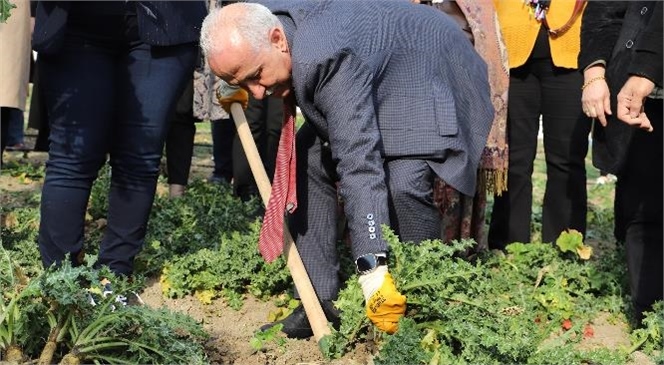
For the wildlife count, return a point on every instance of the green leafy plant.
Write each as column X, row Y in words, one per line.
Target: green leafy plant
column 648, row 338
column 230, row 270
column 18, row 234
column 61, row 315
column 98, row 202
column 497, row 309
column 571, row 240
column 16, row 308
column 5, row 8
column 195, row 221
column 271, row 335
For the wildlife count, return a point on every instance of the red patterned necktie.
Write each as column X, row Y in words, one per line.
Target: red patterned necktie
column 283, row 197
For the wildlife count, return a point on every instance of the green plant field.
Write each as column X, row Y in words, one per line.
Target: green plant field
column 537, row 303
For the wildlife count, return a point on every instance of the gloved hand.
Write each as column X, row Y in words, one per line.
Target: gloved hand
column 384, row 304
column 227, row 95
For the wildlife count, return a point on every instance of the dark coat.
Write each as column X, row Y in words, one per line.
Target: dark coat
column 160, row 23
column 627, row 35
column 383, row 80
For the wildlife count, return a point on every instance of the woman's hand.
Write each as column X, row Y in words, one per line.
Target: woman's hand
column 595, row 98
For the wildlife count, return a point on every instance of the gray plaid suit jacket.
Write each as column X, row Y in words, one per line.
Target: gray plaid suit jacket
column 383, row 80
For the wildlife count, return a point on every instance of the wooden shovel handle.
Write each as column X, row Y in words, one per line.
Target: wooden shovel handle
column 294, row 262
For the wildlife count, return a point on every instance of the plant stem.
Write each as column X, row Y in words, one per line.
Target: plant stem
column 637, row 345
column 102, row 346
column 425, row 283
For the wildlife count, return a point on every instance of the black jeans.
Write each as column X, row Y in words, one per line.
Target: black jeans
column 106, row 98
column 539, row 88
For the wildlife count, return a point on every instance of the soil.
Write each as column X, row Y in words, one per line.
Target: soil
column 231, row 330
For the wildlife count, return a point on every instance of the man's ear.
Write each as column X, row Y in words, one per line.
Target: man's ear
column 278, row 39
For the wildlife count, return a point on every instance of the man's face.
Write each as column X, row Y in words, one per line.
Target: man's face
column 263, row 73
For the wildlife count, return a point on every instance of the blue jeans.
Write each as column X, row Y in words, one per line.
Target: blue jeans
column 106, row 98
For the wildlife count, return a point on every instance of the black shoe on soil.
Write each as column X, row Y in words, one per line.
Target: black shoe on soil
column 296, row 325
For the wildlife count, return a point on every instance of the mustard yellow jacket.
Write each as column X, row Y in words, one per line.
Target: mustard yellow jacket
column 520, row 30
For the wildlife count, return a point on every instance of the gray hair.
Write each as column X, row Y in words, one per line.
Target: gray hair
column 251, row 22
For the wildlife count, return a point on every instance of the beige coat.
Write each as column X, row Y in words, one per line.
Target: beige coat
column 15, row 56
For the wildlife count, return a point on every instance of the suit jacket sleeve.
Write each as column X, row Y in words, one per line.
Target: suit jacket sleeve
column 343, row 94
column 648, row 58
column 600, row 28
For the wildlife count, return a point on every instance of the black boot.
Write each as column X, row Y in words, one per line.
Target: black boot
column 296, row 325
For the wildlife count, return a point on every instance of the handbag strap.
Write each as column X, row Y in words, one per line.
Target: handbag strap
column 578, row 7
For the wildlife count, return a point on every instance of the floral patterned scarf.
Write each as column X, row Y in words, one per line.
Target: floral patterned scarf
column 483, row 21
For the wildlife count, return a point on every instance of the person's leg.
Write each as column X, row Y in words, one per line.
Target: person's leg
column 413, row 214
column 78, row 88
column 566, row 131
column 274, row 120
column 313, row 227
column 223, row 133
column 151, row 79
column 15, row 133
column 38, row 116
column 313, row 224
column 180, row 143
column 4, row 123
column 639, row 213
column 510, row 218
column 243, row 180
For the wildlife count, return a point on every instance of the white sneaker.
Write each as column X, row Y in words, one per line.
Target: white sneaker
column 606, row 179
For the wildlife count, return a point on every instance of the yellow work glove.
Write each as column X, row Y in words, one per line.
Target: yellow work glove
column 384, row 304
column 227, row 95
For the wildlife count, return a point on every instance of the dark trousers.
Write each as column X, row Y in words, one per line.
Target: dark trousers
column 38, row 117
column 538, row 87
column 106, row 98
column 180, row 140
column 223, row 134
column 638, row 212
column 5, row 114
column 313, row 225
column 265, row 118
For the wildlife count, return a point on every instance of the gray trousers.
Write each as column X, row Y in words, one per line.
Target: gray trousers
column 413, row 215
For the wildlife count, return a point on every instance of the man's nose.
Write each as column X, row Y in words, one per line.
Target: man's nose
column 257, row 91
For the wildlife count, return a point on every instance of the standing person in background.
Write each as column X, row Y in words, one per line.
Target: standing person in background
column 15, row 41
column 111, row 74
column 621, row 59
column 206, row 107
column 264, row 118
column 222, row 128
column 463, row 216
column 543, row 42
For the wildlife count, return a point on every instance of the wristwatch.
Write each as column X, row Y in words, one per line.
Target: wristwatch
column 366, row 264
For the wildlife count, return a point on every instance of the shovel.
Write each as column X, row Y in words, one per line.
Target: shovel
column 299, row 274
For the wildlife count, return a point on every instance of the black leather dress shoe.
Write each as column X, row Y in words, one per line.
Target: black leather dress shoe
column 296, row 325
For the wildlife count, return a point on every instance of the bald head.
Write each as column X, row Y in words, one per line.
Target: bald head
column 245, row 45
column 238, row 24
